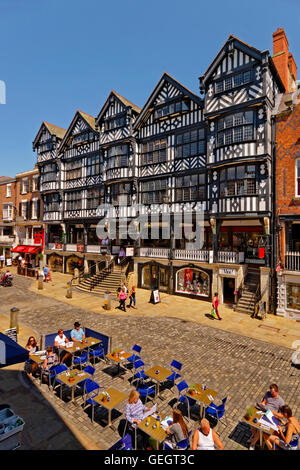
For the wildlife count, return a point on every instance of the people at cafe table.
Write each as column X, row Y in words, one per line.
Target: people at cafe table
column 60, row 341
column 177, row 431
column 271, row 401
column 77, row 334
column 134, row 413
column 32, row 347
column 285, row 434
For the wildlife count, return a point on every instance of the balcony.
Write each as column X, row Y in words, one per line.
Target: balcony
column 7, row 239
column 28, row 242
column 155, row 252
column 230, row 257
column 193, row 255
column 292, row 261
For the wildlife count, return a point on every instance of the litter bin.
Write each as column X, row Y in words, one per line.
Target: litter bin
column 40, row 283
column 107, row 300
column 14, row 318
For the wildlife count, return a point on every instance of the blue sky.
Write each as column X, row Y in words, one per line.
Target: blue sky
column 57, row 56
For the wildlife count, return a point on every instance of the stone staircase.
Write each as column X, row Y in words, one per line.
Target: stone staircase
column 101, row 282
column 246, row 303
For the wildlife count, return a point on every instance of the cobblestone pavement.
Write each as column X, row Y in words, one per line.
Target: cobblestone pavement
column 238, row 367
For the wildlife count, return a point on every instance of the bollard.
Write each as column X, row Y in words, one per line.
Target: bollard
column 107, row 300
column 40, row 283
column 14, row 318
column 69, row 290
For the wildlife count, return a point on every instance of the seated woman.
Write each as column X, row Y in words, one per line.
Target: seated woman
column 285, row 434
column 50, row 360
column 177, row 431
column 134, row 413
column 60, row 341
column 32, row 347
column 205, row 438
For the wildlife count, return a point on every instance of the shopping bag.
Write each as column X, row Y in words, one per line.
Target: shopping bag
column 213, row 312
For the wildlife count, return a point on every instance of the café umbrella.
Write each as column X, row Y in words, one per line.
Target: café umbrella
column 11, row 352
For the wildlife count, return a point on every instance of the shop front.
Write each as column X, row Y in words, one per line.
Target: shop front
column 288, row 300
column 153, row 276
column 249, row 240
column 193, row 281
column 55, row 262
column 74, row 262
column 227, row 285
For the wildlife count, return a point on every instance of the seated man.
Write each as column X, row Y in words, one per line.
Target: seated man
column 77, row 334
column 271, row 401
column 205, row 438
column 60, row 341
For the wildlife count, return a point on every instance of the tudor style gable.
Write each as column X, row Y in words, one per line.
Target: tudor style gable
column 116, row 119
column 47, row 141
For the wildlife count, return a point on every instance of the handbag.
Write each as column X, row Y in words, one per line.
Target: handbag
column 213, row 312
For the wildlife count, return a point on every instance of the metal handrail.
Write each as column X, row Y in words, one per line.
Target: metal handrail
column 84, row 275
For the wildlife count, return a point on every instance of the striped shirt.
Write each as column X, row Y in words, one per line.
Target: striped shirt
column 135, row 411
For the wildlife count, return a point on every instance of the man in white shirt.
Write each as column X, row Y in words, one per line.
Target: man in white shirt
column 60, row 341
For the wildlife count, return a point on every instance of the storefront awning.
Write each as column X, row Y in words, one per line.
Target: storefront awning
column 26, row 249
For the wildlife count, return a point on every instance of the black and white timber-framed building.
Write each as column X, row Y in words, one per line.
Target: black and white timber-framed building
column 180, row 152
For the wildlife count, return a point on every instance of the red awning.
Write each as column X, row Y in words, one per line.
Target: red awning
column 26, row 249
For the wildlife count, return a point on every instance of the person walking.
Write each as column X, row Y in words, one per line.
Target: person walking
column 216, row 305
column 132, row 298
column 122, row 298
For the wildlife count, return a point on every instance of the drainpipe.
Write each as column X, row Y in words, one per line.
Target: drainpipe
column 273, row 299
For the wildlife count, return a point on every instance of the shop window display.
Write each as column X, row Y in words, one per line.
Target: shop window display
column 192, row 281
column 293, row 296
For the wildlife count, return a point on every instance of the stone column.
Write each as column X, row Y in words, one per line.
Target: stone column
column 265, row 287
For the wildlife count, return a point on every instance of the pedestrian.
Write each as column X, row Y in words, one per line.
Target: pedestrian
column 122, row 298
column 132, row 298
column 216, row 305
column 125, row 288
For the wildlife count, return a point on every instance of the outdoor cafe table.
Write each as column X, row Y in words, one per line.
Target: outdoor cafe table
column 201, row 396
column 116, row 397
column 261, row 428
column 64, row 377
column 118, row 357
column 78, row 346
column 159, row 434
column 159, row 377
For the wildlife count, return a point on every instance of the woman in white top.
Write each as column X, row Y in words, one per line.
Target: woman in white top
column 205, row 438
column 62, row 340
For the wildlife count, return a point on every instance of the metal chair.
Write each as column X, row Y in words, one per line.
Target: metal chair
column 216, row 411
column 293, row 445
column 182, row 387
column 182, row 445
column 138, row 371
column 134, row 357
column 175, row 368
column 97, row 352
column 81, row 360
column 92, row 389
column 123, row 444
column 146, row 391
column 58, row 370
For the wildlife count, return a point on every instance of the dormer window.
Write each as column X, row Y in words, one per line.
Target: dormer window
column 172, row 108
column 233, row 81
column 115, row 123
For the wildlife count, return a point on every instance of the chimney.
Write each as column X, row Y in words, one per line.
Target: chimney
column 284, row 60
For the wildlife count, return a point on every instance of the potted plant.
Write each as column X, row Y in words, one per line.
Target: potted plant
column 114, row 351
column 192, row 389
column 72, row 376
column 249, row 414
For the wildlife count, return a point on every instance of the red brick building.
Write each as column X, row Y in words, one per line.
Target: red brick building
column 29, row 217
column 7, row 217
column 287, row 172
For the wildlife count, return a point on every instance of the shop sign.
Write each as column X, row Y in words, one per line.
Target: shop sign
column 130, row 251
column 103, row 250
column 155, row 297
column 59, row 246
column 8, row 262
column 80, row 248
column 227, row 272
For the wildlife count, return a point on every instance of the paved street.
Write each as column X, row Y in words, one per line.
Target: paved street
column 238, row 367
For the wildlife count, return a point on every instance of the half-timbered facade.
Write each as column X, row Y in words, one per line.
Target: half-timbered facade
column 118, row 152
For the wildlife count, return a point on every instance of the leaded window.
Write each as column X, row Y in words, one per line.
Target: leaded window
column 154, row 151
column 120, row 194
column 73, row 170
column 238, row 181
column 95, row 197
column 154, row 191
column 93, row 165
column 51, row 202
column 233, row 81
column 49, row 173
column 73, row 200
column 190, row 188
column 117, row 156
column 172, row 108
column 236, row 128
column 190, row 143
